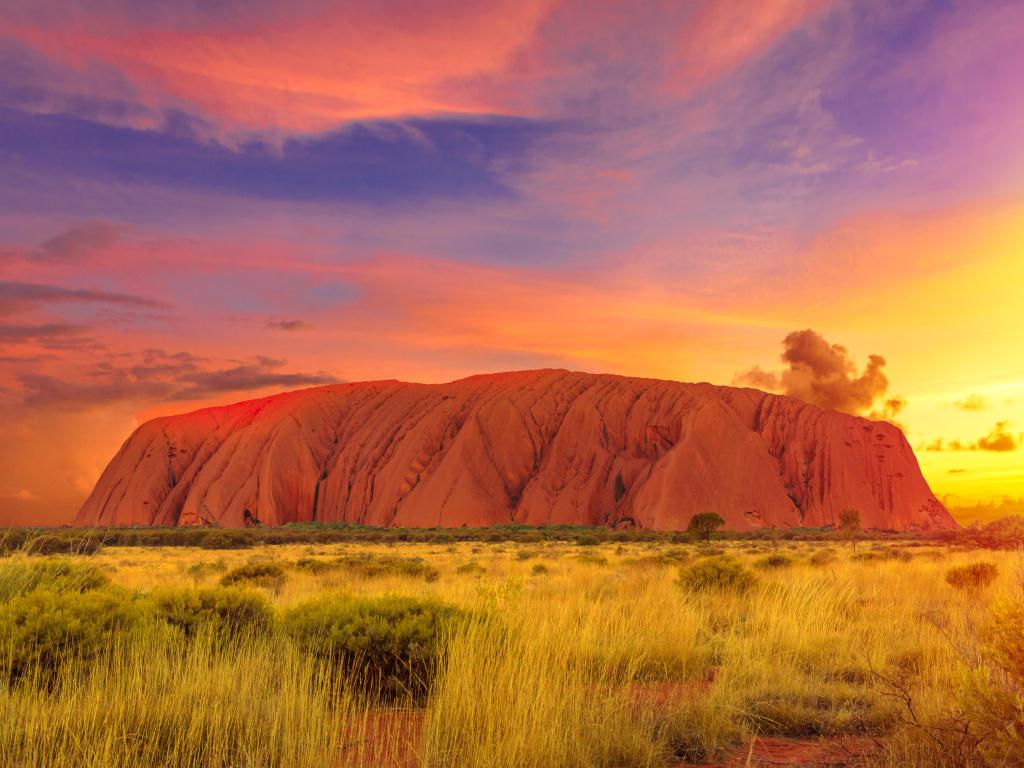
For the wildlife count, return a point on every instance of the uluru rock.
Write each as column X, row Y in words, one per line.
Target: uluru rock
column 534, row 447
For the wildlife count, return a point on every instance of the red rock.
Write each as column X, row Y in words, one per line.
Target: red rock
column 533, row 447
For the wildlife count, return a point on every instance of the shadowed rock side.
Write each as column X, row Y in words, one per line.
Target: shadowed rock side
column 533, row 447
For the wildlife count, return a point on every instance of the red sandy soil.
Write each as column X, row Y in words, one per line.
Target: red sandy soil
column 533, row 447
column 391, row 739
column 387, row 738
column 764, row 751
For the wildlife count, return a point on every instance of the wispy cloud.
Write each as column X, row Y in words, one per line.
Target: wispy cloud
column 155, row 376
column 19, row 297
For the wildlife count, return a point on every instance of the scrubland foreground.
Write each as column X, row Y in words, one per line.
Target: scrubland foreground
column 510, row 654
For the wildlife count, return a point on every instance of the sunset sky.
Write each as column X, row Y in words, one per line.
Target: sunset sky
column 204, row 202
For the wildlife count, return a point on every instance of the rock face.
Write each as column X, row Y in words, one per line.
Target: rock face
column 534, row 447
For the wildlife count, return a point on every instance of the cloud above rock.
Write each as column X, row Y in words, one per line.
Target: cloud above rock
column 155, row 375
column 825, row 374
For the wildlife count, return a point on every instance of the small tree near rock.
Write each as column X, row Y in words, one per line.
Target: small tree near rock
column 704, row 524
column 849, row 524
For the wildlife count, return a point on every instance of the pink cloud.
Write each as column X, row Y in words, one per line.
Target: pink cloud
column 312, row 66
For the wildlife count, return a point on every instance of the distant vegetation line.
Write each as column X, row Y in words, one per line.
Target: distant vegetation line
column 1006, row 533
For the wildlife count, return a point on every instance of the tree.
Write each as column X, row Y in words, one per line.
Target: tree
column 705, row 524
column 849, row 523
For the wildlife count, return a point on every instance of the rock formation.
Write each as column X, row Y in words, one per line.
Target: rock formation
column 534, row 447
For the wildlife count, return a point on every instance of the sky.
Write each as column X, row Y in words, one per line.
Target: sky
column 206, row 202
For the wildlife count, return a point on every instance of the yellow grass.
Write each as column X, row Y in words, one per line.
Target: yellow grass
column 588, row 664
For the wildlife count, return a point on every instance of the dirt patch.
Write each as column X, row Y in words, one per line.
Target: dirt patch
column 382, row 738
column 661, row 693
column 821, row 753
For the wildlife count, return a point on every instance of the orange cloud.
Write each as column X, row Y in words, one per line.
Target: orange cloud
column 999, row 440
column 824, row 374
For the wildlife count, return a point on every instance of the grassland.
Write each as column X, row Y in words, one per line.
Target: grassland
column 544, row 653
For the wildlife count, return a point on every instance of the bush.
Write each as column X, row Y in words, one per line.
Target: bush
column 225, row 540
column 891, row 553
column 704, row 525
column 268, row 575
column 770, row 562
column 472, row 568
column 62, row 544
column 972, row 576
column 200, row 570
column 707, row 551
column 42, row 633
column 394, row 642
column 539, row 569
column 717, row 574
column 868, row 557
column 995, row 702
column 12, row 540
column 376, row 566
column 587, row 540
column 315, row 565
column 225, row 613
column 822, row 557
column 58, row 575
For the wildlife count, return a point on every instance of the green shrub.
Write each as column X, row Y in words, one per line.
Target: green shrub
column 703, row 525
column 972, row 576
column 394, row 643
column 19, row 576
column 472, row 568
column 267, row 575
column 591, row 559
column 376, row 566
column 526, row 554
column 200, row 570
column 315, row 565
column 770, row 562
column 226, row 613
column 717, row 574
column 12, row 540
column 62, row 544
column 587, row 540
column 710, row 551
column 539, row 569
column 42, row 633
column 867, row 557
column 995, row 692
column 822, row 557
column 225, row 540
column 892, row 553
